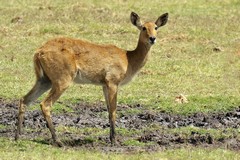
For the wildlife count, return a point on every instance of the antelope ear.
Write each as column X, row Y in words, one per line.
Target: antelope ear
column 162, row 20
column 135, row 19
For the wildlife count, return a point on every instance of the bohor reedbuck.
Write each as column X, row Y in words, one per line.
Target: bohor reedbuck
column 62, row 61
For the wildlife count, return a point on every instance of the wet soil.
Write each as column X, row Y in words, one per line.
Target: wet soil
column 154, row 130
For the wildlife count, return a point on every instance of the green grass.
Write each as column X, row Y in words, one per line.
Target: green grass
column 32, row 150
column 133, row 142
column 215, row 133
column 2, row 126
column 184, row 61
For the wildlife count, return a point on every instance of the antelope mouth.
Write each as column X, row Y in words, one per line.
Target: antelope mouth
column 152, row 40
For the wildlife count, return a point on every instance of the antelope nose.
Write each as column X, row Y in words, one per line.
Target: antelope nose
column 152, row 40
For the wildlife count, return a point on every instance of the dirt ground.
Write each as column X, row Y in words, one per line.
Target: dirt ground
column 155, row 138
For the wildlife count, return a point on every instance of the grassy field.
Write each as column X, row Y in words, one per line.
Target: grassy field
column 29, row 150
column 197, row 54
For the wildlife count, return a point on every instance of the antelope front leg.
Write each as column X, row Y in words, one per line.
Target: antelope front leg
column 111, row 98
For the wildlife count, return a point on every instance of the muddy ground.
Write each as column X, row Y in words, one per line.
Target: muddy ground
column 154, row 126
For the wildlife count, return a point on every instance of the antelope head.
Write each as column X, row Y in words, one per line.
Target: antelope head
column 148, row 30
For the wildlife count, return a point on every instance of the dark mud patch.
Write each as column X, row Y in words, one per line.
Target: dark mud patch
column 146, row 130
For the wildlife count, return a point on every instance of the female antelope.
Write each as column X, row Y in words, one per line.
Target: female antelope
column 61, row 61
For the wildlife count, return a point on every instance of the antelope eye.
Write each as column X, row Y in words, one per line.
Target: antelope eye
column 156, row 28
column 144, row 28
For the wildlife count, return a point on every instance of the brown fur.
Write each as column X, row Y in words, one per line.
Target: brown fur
column 61, row 61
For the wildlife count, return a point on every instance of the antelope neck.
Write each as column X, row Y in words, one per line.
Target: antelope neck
column 138, row 57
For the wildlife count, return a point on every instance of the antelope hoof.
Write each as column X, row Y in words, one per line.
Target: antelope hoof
column 16, row 136
column 58, row 143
